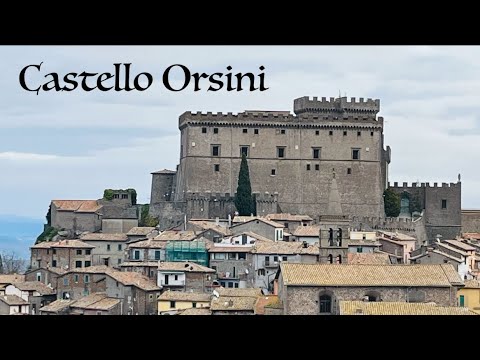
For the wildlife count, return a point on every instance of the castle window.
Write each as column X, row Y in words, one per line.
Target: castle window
column 124, row 196
column 245, row 131
column 215, row 130
column 371, row 133
column 204, row 130
column 54, row 251
column 255, row 131
column 281, row 152
column 356, row 154
column 215, row 150
column 317, row 167
column 317, row 132
column 244, row 150
column 344, row 133
column 116, row 196
column 330, row 259
column 308, row 167
column 359, row 133
column 216, row 167
column 54, row 263
column 282, row 131
column 273, row 172
column 444, row 204
column 349, row 171
column 330, row 133
column 339, row 259
column 325, row 304
column 316, row 153
column 78, row 264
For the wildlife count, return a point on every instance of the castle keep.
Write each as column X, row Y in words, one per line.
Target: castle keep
column 291, row 158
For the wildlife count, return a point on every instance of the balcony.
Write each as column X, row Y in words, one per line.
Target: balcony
column 172, row 283
column 270, row 264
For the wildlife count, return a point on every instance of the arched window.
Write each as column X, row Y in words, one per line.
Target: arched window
column 330, row 237
column 325, row 304
column 339, row 259
column 330, row 259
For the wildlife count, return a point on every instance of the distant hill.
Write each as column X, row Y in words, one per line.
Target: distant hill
column 18, row 233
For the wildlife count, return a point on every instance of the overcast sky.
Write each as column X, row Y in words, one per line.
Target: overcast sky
column 72, row 145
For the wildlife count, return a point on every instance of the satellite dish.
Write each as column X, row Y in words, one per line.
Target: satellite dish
column 216, row 294
column 67, row 296
column 246, row 271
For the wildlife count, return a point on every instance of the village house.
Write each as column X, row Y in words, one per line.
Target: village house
column 170, row 302
column 47, row 276
column 398, row 308
column 398, row 245
column 95, row 304
column 141, row 233
column 57, row 307
column 76, row 215
column 263, row 227
column 469, row 295
column 289, row 221
column 63, row 254
column 6, row 280
column 13, row 305
column 108, row 249
column 185, row 276
column 35, row 293
column 146, row 268
column 267, row 256
column 213, row 231
column 309, row 234
column 363, row 242
column 312, row 289
column 235, row 301
column 137, row 293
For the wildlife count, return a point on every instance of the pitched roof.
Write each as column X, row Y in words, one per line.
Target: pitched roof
column 460, row 245
column 57, row 305
column 239, row 292
column 442, row 245
column 472, row 284
column 139, row 264
column 368, row 258
column 95, row 269
column 255, row 236
column 140, row 230
column 185, row 296
column 243, row 219
column 150, row 244
column 209, row 225
column 170, row 235
column 197, row 311
column 283, row 247
column 104, row 237
column 13, row 300
column 268, row 222
column 134, row 278
column 288, row 217
column 38, row 286
column 62, row 244
column 233, row 303
column 313, row 230
column 184, row 266
column 426, row 275
column 396, row 235
column 12, row 278
column 471, row 235
column 360, row 242
column 399, row 308
column 77, row 205
column 95, row 301
column 164, row 171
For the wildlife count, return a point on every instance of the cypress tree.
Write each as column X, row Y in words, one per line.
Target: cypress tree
column 391, row 203
column 244, row 200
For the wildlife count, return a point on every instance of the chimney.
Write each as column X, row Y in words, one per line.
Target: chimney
column 217, row 220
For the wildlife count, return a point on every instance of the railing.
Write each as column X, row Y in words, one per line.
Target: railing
column 175, row 283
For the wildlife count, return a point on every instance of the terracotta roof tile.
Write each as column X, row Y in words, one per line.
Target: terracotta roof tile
column 95, row 301
column 473, row 236
column 185, row 296
column 472, row 284
column 57, row 305
column 268, row 222
column 140, row 231
column 77, row 205
column 171, row 235
column 12, row 278
column 104, row 237
column 283, row 247
column 399, row 308
column 396, row 235
column 234, row 292
column 13, row 300
column 459, row 244
column 368, row 258
column 229, row 303
column 63, row 244
column 38, row 286
column 196, row 311
column 242, row 219
column 443, row 275
column 209, row 225
column 148, row 244
column 313, row 230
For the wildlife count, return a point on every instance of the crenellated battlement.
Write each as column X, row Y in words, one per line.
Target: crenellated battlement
column 416, row 185
column 336, row 105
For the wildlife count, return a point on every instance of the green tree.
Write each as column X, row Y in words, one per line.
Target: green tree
column 145, row 218
column 391, row 203
column 244, row 201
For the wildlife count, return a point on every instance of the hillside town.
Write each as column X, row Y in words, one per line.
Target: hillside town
column 267, row 213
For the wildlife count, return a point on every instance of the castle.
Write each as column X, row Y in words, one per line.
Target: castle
column 291, row 160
